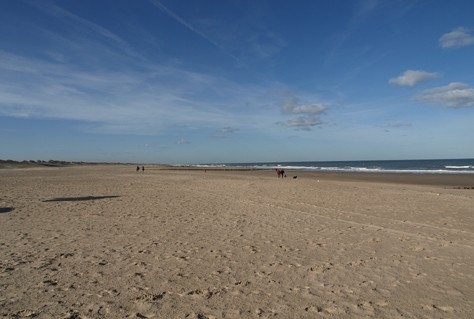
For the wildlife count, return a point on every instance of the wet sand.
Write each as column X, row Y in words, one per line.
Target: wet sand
column 108, row 242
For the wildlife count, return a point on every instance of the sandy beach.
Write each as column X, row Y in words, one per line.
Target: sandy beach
column 110, row 242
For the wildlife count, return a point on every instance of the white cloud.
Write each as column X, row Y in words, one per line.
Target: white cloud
column 291, row 106
column 309, row 113
column 459, row 37
column 453, row 95
column 412, row 78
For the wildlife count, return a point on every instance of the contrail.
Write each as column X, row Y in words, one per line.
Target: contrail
column 173, row 15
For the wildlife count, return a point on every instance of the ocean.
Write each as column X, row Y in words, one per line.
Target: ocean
column 438, row 166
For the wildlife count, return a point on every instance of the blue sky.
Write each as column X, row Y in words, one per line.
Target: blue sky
column 161, row 81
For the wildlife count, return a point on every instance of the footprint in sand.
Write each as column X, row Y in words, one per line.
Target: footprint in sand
column 365, row 307
column 251, row 249
column 381, row 303
column 435, row 307
column 321, row 268
column 314, row 309
column 446, row 308
column 109, row 292
column 144, row 303
column 27, row 313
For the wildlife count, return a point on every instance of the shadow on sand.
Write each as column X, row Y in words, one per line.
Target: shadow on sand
column 5, row 209
column 78, row 199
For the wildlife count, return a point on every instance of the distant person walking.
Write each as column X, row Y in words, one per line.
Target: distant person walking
column 143, row 168
column 138, row 168
column 278, row 172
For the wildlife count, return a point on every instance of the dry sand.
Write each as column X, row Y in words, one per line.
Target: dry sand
column 108, row 242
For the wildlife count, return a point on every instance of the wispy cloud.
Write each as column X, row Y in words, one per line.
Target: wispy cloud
column 453, row 95
column 266, row 44
column 459, row 37
column 145, row 101
column 192, row 28
column 362, row 10
column 79, row 36
column 183, row 141
column 79, row 21
column 86, row 73
column 397, row 126
column 122, row 92
column 400, row 125
column 412, row 78
column 302, row 123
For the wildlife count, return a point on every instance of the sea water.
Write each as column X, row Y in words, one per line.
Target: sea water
column 437, row 166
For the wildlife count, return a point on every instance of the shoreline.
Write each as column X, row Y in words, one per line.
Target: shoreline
column 447, row 180
column 460, row 180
